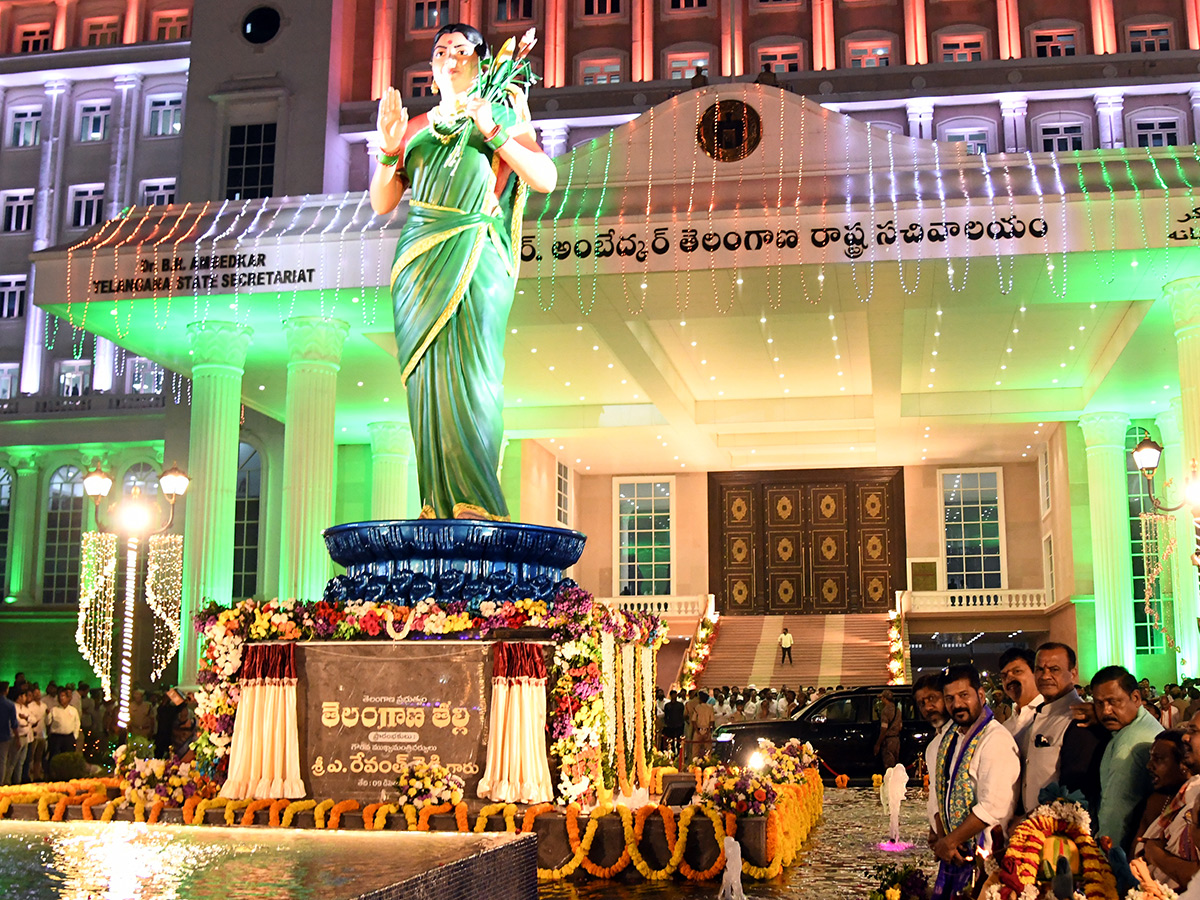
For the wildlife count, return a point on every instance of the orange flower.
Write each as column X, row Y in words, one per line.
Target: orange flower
column 760, row 795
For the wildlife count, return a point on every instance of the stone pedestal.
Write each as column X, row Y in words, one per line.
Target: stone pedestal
column 315, row 352
column 218, row 355
column 1112, row 566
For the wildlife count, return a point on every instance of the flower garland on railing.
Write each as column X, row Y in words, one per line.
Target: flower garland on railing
column 576, row 706
column 699, row 651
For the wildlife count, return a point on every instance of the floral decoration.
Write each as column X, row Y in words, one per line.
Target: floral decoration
column 425, row 784
column 146, row 782
column 698, row 651
column 894, row 882
column 744, row 792
column 576, row 706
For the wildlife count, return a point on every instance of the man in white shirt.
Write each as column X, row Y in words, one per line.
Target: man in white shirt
column 1057, row 672
column 62, row 724
column 36, row 711
column 1016, row 675
column 976, row 781
column 785, row 648
column 927, row 695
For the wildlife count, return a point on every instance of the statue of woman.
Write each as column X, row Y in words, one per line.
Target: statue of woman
column 468, row 162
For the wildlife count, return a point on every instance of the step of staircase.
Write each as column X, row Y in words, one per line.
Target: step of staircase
column 828, row 650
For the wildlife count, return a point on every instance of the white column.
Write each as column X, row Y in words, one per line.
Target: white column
column 56, row 118
column 554, row 139
column 1112, row 565
column 920, row 119
column 218, row 357
column 23, row 531
column 1183, row 573
column 1013, row 111
column 391, row 448
column 314, row 356
column 1194, row 98
column 1110, row 113
column 1184, row 298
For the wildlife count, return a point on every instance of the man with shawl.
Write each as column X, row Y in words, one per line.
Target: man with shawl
column 975, row 784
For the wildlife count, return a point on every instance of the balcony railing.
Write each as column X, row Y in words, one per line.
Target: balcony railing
column 665, row 606
column 973, row 601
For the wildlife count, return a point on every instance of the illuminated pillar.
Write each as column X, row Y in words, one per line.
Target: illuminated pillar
column 314, row 357
column 1194, row 98
column 555, row 51
column 391, row 448
column 641, row 56
column 23, row 531
column 59, row 39
column 1110, row 110
column 824, row 48
column 1112, row 563
column 134, row 9
column 57, row 121
column 554, row 139
column 1012, row 111
column 1008, row 28
column 1192, row 12
column 1104, row 27
column 1183, row 573
column 916, row 33
column 920, row 119
column 732, row 37
column 383, row 61
column 218, row 356
column 1183, row 296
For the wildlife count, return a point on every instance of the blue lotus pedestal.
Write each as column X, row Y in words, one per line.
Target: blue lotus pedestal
column 407, row 561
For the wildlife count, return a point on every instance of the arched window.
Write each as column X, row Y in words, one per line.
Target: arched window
column 5, row 512
column 245, row 525
column 1147, row 638
column 65, row 515
column 143, row 476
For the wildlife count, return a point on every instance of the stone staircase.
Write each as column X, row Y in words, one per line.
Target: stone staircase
column 829, row 650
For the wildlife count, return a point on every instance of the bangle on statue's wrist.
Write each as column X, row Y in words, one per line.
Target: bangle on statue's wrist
column 497, row 139
column 388, row 159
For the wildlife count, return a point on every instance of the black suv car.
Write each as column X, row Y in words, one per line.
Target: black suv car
column 842, row 727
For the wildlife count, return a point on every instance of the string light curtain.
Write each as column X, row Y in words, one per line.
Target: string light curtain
column 97, row 604
column 164, row 595
column 518, row 770
column 264, row 756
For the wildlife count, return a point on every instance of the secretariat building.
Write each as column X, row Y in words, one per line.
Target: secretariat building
column 897, row 403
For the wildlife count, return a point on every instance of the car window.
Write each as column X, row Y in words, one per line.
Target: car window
column 840, row 710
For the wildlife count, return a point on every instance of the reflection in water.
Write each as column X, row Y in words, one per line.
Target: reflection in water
column 835, row 863
column 126, row 861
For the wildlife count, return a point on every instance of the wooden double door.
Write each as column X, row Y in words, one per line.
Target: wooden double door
column 813, row 541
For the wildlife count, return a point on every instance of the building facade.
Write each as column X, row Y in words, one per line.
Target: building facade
column 111, row 106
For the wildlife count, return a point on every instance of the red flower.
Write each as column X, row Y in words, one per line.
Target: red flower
column 371, row 623
column 760, row 795
column 742, row 806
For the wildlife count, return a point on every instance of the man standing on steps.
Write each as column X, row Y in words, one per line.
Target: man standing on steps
column 785, row 648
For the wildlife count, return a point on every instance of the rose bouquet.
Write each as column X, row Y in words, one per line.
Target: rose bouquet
column 426, row 784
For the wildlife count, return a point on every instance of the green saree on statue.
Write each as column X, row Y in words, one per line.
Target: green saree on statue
column 453, row 280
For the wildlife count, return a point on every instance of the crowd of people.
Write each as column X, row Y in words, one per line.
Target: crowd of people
column 686, row 720
column 1131, row 754
column 35, row 727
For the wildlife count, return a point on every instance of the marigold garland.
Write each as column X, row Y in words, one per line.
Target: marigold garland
column 335, row 814
column 532, row 813
column 289, row 813
column 253, row 808
column 155, row 812
column 110, row 810
column 1024, row 853
column 86, row 806
column 460, row 816
column 189, row 808
column 368, row 815
column 233, row 807
column 381, row 813
column 43, row 806
column 139, row 811
column 428, row 811
column 276, row 811
column 718, row 834
column 486, row 813
column 320, row 811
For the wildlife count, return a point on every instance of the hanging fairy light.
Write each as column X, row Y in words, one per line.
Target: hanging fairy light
column 97, row 597
column 164, row 595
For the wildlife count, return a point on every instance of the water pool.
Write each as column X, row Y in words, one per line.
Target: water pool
column 127, row 861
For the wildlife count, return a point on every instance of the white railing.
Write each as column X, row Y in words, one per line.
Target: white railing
column 668, row 606
column 972, row 601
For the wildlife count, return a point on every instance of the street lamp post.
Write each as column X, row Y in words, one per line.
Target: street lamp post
column 134, row 519
column 1146, row 456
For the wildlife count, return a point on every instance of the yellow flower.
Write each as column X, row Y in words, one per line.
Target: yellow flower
column 892, row 893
